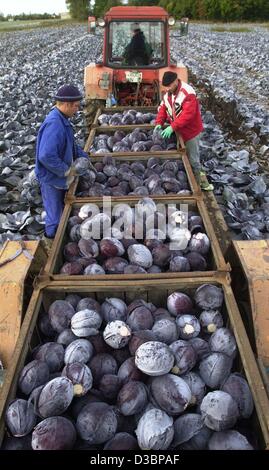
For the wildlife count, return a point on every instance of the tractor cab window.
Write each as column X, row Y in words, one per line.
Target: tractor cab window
column 136, row 44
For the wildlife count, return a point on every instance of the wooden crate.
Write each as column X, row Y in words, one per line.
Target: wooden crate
column 135, row 157
column 156, row 292
column 55, row 260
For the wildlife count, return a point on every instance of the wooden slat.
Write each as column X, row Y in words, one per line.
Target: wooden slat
column 58, row 240
column 120, row 109
column 221, row 229
column 122, row 127
column 82, row 283
column 210, row 230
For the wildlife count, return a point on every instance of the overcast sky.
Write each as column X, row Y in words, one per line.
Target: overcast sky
column 14, row 7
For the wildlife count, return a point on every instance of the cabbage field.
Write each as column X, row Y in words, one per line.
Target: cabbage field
column 229, row 71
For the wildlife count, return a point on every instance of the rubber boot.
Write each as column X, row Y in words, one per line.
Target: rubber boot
column 47, row 243
column 203, row 181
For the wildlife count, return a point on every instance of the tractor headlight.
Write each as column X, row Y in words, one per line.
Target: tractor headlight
column 171, row 21
column 101, row 22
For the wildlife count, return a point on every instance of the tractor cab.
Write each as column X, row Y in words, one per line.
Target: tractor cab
column 136, row 44
column 136, row 54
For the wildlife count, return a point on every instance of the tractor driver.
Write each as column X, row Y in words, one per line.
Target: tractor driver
column 180, row 108
column 138, row 51
column 55, row 151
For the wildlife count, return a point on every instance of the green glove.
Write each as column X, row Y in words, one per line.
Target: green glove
column 157, row 127
column 167, row 132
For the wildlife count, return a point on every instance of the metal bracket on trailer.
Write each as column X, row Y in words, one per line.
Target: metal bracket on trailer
column 41, row 281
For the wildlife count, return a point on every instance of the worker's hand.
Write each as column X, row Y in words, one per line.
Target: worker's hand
column 72, row 171
column 157, row 127
column 167, row 132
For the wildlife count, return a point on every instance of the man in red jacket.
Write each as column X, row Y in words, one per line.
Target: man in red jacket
column 180, row 108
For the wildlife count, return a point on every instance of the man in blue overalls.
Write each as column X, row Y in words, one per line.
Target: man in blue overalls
column 55, row 151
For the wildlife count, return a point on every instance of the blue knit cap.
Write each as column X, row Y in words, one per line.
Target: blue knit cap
column 68, row 93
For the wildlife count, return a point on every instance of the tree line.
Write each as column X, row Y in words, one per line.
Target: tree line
column 30, row 16
column 223, row 10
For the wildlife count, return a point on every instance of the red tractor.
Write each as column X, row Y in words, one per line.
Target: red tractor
column 127, row 74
